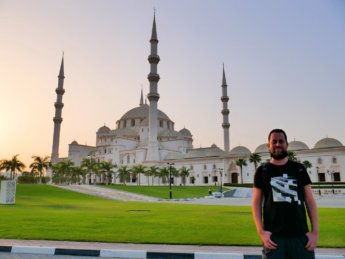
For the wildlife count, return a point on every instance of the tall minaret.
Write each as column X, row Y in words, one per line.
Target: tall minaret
column 153, row 96
column 225, row 112
column 58, row 110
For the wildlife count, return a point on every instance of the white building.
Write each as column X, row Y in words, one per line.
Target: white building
column 146, row 135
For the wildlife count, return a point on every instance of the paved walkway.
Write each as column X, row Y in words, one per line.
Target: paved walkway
column 326, row 201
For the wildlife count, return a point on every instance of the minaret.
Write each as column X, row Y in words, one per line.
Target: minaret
column 153, row 96
column 141, row 98
column 58, row 110
column 225, row 112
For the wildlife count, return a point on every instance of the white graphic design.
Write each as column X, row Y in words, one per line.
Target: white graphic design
column 284, row 189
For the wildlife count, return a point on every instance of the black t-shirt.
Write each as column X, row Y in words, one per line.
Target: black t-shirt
column 284, row 211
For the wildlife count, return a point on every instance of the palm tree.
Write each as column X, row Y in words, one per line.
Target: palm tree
column 292, row 155
column 255, row 158
column 241, row 162
column 89, row 165
column 106, row 169
column 13, row 165
column 63, row 172
column 40, row 165
column 123, row 173
column 152, row 171
column 307, row 164
column 184, row 173
column 164, row 174
column 137, row 170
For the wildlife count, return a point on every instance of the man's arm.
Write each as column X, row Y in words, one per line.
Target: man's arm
column 312, row 213
column 257, row 215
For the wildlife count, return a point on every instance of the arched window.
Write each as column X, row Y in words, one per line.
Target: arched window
column 334, row 160
column 128, row 159
column 132, row 123
column 319, row 160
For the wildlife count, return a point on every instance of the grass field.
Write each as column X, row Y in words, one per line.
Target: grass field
column 46, row 212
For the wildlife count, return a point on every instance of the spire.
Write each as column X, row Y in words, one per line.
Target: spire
column 224, row 79
column 61, row 74
column 58, row 112
column 153, row 96
column 141, row 98
column 154, row 30
column 225, row 113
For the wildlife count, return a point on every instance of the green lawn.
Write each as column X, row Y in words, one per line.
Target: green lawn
column 46, row 212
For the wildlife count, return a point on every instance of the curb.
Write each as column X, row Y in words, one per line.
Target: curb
column 136, row 254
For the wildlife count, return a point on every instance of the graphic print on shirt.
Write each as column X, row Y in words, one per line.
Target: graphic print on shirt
column 284, row 189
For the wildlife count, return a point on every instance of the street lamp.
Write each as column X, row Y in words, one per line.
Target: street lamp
column 331, row 174
column 318, row 176
column 221, row 176
column 170, row 166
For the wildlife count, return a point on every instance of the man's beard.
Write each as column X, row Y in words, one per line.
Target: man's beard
column 280, row 155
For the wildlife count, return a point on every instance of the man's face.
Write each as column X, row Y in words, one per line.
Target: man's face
column 277, row 146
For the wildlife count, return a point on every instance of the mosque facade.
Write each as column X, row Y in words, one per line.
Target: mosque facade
column 146, row 135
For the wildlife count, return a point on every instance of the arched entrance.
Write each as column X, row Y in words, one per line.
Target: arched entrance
column 234, row 177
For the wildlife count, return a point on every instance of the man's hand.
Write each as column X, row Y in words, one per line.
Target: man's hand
column 266, row 239
column 312, row 240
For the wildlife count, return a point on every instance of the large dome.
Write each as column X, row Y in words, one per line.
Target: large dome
column 143, row 112
column 240, row 150
column 297, row 145
column 328, row 143
column 263, row 148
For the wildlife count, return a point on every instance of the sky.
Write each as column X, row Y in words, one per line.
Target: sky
column 284, row 63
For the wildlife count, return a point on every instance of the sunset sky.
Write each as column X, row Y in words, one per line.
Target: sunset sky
column 284, row 63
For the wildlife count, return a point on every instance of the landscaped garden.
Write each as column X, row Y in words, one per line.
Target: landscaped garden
column 47, row 212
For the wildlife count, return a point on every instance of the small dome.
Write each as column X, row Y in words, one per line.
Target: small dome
column 74, row 142
column 185, row 132
column 240, row 150
column 327, row 143
column 297, row 145
column 103, row 130
column 263, row 148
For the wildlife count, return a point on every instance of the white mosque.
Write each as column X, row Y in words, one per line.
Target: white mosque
column 146, row 135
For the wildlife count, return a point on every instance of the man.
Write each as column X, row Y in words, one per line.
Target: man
column 281, row 193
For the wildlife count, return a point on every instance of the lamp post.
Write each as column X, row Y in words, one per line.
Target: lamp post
column 221, row 176
column 318, row 176
column 331, row 174
column 170, row 166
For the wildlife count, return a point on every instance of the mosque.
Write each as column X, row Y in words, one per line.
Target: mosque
column 146, row 135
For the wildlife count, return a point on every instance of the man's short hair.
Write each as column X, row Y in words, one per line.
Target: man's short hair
column 277, row 131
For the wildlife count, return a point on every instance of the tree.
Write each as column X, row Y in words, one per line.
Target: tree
column 123, row 173
column 90, row 165
column 164, row 174
column 292, row 155
column 241, row 162
column 105, row 168
column 40, row 165
column 255, row 158
column 307, row 164
column 137, row 170
column 63, row 172
column 13, row 165
column 152, row 171
column 184, row 173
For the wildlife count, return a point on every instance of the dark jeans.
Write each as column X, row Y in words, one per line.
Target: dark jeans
column 288, row 248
